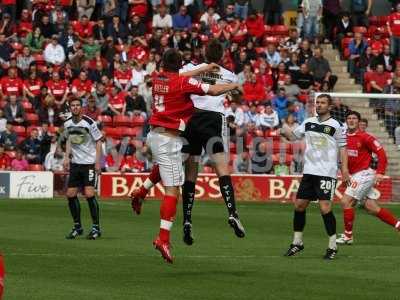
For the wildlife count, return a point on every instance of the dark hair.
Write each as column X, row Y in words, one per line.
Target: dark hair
column 353, row 113
column 172, row 60
column 327, row 96
column 214, row 51
column 364, row 120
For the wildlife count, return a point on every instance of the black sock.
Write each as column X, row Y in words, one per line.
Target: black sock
column 228, row 193
column 299, row 221
column 330, row 223
column 94, row 210
column 188, row 193
column 75, row 209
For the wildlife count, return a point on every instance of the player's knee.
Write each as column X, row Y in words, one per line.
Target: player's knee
column 371, row 207
column 71, row 193
column 300, row 205
column 325, row 207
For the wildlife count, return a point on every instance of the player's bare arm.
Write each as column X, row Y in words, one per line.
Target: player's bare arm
column 67, row 155
column 98, row 155
column 344, row 166
column 206, row 68
column 219, row 89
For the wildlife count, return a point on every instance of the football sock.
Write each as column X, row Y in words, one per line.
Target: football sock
column 386, row 216
column 299, row 221
column 228, row 193
column 167, row 214
column 330, row 226
column 348, row 217
column 188, row 192
column 94, row 210
column 154, row 176
column 75, row 209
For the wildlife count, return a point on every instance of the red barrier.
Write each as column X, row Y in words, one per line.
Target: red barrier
column 259, row 188
column 1, row 276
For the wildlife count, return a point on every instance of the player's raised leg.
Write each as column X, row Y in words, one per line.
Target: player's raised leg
column 299, row 222
column 384, row 214
column 138, row 196
column 347, row 203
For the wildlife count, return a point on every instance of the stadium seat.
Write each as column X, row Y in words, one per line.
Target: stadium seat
column 382, row 20
column 113, row 132
column 106, row 120
column 207, row 169
column 20, row 131
column 281, row 30
column 232, row 147
column 360, row 29
column 373, row 21
column 128, row 131
column 20, row 139
column 29, row 129
column 122, row 121
column 11, row 154
column 268, row 30
column 3, row 103
column 53, row 129
column 35, row 167
column 137, row 121
column 27, row 106
column 33, row 119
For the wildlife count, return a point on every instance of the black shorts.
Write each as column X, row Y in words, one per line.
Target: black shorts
column 313, row 187
column 205, row 130
column 81, row 175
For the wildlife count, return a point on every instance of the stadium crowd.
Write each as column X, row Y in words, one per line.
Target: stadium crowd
column 104, row 52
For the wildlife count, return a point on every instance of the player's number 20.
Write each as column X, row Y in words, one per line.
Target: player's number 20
column 326, row 185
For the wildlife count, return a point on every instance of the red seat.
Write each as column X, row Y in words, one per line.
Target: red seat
column 137, row 121
column 20, row 130
column 53, row 129
column 268, row 30
column 128, row 131
column 367, row 81
column 27, row 106
column 11, row 154
column 29, row 129
column 39, row 58
column 281, row 30
column 121, row 120
column 373, row 21
column 113, row 132
column 32, row 119
column 207, row 169
column 35, row 167
column 106, row 120
column 382, row 20
column 20, row 139
column 360, row 29
column 346, row 42
column 3, row 103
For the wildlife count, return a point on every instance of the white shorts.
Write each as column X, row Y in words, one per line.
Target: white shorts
column 362, row 185
column 166, row 151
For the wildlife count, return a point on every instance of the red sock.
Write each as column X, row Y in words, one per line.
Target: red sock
column 1, row 276
column 386, row 216
column 167, row 214
column 155, row 175
column 348, row 217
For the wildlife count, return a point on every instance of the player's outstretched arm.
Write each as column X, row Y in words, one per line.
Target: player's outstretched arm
column 286, row 132
column 196, row 72
column 219, row 89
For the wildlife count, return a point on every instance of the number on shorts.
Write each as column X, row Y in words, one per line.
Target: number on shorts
column 91, row 174
column 326, row 185
column 354, row 184
column 159, row 103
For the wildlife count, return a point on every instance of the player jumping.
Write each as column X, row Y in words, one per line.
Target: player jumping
column 82, row 159
column 360, row 147
column 206, row 130
column 324, row 138
column 172, row 108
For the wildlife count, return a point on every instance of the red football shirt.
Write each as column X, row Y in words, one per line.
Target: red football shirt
column 381, row 80
column 58, row 89
column 118, row 100
column 5, row 162
column 79, row 85
column 255, row 27
column 11, row 86
column 394, row 23
column 131, row 162
column 360, row 146
column 84, row 31
column 33, row 86
column 123, row 76
column 172, row 106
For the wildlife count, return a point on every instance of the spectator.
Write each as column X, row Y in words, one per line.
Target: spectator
column 273, row 12
column 305, row 52
column 131, row 164
column 331, row 11
column 357, row 48
column 394, row 31
column 8, row 138
column 3, row 121
column 145, row 90
column 138, row 74
column 58, row 88
column 364, row 65
column 296, row 109
column 291, row 122
column 135, row 105
column 11, row 84
column 210, row 18
column 292, row 90
column 90, row 48
column 35, row 40
column 344, row 28
column 291, row 43
column 83, row 28
column 100, row 31
column 19, row 163
column 280, row 104
column 253, row 90
column 255, row 26
column 379, row 79
column 14, row 112
column 24, row 25
column 54, row 52
column 101, row 98
column 46, row 28
column 31, row 147
column 162, row 19
column 241, row 164
column 386, row 59
column 5, row 160
column 116, row 30
column 339, row 110
column 360, row 11
column 54, row 161
column 237, row 113
column 82, row 87
column 91, row 110
column 390, row 107
column 293, row 66
column 182, row 20
column 85, row 8
column 136, row 27
column 268, row 119
column 319, row 67
column 241, row 8
column 272, row 56
column 312, row 12
column 251, row 115
column 304, row 79
column 116, row 103
column 24, row 60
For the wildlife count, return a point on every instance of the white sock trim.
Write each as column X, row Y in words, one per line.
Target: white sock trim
column 397, row 225
column 332, row 242
column 148, row 184
column 167, row 225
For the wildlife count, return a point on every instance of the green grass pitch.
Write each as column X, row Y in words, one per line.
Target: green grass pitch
column 121, row 265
